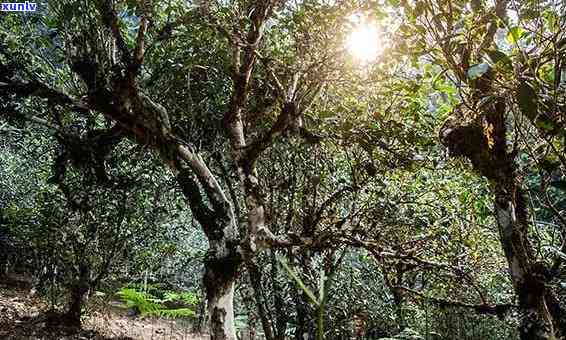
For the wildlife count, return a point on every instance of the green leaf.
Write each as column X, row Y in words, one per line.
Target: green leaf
column 174, row 313
column 515, row 34
column 545, row 123
column 546, row 72
column 551, row 20
column 527, row 99
column 555, row 251
column 500, row 58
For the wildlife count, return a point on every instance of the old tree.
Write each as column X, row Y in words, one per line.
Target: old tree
column 387, row 153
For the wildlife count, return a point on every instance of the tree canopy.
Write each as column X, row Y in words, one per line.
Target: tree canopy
column 321, row 169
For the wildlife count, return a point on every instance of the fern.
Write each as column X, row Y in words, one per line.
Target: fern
column 175, row 313
column 147, row 304
column 143, row 302
column 189, row 298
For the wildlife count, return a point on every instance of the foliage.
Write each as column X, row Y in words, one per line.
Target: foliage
column 293, row 151
column 147, row 304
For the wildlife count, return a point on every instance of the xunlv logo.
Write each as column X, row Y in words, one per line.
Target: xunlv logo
column 18, row 6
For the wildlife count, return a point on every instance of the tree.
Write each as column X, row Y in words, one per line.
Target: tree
column 472, row 59
column 110, row 66
column 83, row 217
column 287, row 147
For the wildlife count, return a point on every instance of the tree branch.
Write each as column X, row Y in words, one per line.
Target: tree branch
column 498, row 310
column 38, row 89
column 110, row 20
column 139, row 51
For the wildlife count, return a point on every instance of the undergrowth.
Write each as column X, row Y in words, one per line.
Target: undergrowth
column 146, row 303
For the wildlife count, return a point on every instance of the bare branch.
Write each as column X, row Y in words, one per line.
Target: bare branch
column 139, row 51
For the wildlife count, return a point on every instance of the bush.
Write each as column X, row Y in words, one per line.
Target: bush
column 147, row 304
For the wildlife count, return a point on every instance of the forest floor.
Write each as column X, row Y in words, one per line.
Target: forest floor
column 24, row 316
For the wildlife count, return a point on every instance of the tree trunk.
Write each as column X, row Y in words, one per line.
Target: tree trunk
column 72, row 316
column 223, row 257
column 199, row 325
column 398, row 301
column 219, row 279
column 484, row 143
column 255, row 280
column 281, row 317
column 528, row 277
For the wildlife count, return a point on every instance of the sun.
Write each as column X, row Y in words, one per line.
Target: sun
column 364, row 42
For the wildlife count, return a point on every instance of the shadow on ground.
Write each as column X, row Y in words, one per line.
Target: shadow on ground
column 24, row 316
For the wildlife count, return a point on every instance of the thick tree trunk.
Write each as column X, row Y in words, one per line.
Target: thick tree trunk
column 224, row 257
column 219, row 279
column 490, row 158
column 528, row 277
column 73, row 315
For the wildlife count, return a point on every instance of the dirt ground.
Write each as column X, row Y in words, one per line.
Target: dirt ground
column 24, row 316
column 121, row 326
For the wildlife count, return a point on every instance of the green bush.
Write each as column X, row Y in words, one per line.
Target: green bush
column 147, row 304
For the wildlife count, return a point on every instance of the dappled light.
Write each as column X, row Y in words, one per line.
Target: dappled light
column 283, row 170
